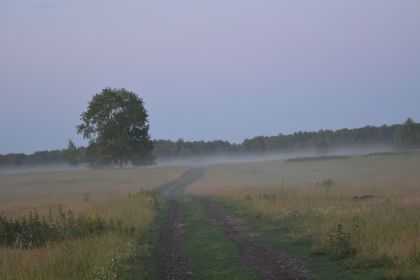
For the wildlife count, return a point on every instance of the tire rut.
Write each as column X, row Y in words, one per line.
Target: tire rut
column 175, row 189
column 171, row 261
column 268, row 262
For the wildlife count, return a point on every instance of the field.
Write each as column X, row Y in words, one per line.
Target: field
column 121, row 196
column 316, row 218
column 76, row 190
column 362, row 211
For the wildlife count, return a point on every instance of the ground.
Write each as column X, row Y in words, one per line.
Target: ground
column 269, row 220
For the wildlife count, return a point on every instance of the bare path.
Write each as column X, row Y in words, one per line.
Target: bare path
column 171, row 261
column 175, row 189
column 268, row 262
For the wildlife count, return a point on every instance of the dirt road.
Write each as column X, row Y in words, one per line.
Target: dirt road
column 171, row 261
column 171, row 258
column 268, row 262
column 175, row 189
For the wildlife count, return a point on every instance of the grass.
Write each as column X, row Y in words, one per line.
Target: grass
column 116, row 195
column 211, row 255
column 143, row 265
column 375, row 169
column 377, row 235
column 77, row 190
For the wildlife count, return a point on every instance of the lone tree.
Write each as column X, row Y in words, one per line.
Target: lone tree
column 116, row 124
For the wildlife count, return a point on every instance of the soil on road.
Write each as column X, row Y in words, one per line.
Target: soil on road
column 171, row 258
column 171, row 261
column 270, row 263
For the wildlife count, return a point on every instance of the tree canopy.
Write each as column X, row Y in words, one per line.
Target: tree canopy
column 408, row 135
column 400, row 136
column 117, row 126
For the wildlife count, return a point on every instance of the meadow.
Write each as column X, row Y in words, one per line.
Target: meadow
column 123, row 199
column 357, row 217
column 363, row 211
column 76, row 189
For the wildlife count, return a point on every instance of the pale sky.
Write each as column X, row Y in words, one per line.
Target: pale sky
column 214, row 69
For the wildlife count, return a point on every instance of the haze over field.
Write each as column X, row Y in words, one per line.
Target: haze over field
column 235, row 139
column 240, row 68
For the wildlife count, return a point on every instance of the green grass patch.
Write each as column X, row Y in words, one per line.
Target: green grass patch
column 143, row 264
column 323, row 266
column 209, row 252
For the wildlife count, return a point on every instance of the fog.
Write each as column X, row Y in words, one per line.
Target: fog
column 215, row 159
column 271, row 156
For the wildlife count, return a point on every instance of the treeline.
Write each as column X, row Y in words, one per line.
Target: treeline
column 53, row 157
column 400, row 136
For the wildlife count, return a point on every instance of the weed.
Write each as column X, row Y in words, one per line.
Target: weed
column 340, row 242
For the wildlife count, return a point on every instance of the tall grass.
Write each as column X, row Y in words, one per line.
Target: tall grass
column 380, row 232
column 36, row 231
column 76, row 190
column 90, row 257
column 300, row 201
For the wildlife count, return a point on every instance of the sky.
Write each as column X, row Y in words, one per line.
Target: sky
column 207, row 69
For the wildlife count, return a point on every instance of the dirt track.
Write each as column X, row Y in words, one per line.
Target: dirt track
column 268, row 262
column 171, row 261
column 175, row 189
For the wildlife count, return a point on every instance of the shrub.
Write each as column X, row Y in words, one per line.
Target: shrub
column 34, row 231
column 340, row 242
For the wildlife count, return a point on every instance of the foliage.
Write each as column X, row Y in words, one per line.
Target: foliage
column 37, row 158
column 378, row 234
column 72, row 155
column 35, row 231
column 408, row 135
column 340, row 242
column 98, row 256
column 116, row 124
column 321, row 142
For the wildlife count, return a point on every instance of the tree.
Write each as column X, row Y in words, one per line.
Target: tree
column 116, row 124
column 71, row 154
column 408, row 135
column 322, row 147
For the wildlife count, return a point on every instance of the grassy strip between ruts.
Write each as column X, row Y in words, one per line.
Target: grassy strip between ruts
column 209, row 253
column 143, row 265
column 321, row 266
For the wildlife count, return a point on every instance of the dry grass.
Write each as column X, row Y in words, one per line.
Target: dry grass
column 98, row 257
column 76, row 259
column 383, row 231
column 361, row 169
column 20, row 193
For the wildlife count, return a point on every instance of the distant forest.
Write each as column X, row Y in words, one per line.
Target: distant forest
column 400, row 136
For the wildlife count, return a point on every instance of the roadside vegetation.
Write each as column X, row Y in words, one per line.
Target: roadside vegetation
column 76, row 190
column 379, row 232
column 98, row 255
column 79, row 224
column 209, row 251
column 369, row 225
